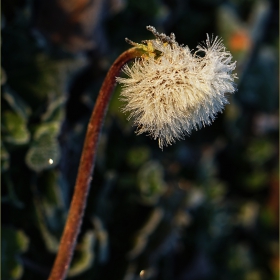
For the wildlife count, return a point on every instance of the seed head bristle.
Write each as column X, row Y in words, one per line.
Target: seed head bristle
column 170, row 94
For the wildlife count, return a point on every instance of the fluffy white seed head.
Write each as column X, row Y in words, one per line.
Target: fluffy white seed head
column 170, row 94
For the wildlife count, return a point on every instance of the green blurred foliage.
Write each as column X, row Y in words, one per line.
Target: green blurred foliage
column 15, row 128
column 204, row 208
column 14, row 243
column 44, row 149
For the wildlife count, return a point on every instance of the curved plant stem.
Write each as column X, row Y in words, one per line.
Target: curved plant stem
column 77, row 207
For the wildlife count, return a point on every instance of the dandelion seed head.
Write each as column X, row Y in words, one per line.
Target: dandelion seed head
column 169, row 95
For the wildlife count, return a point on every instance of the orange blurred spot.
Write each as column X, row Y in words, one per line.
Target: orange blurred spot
column 239, row 41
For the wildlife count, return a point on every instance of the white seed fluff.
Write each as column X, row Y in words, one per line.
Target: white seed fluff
column 179, row 91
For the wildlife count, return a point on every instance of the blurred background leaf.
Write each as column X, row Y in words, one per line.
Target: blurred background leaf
column 14, row 243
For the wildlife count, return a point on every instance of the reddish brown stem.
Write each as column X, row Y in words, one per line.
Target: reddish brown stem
column 77, row 207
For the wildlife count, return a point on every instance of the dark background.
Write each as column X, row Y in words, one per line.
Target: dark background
column 203, row 208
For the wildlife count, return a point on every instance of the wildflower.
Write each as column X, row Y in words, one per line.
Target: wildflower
column 172, row 90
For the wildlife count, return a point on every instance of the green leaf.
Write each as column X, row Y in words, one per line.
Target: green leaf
column 50, row 208
column 256, row 180
column 44, row 152
column 52, row 129
column 14, row 128
column 14, row 242
column 84, row 255
column 55, row 110
column 260, row 151
column 150, row 182
column 137, row 156
column 17, row 104
column 51, row 242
